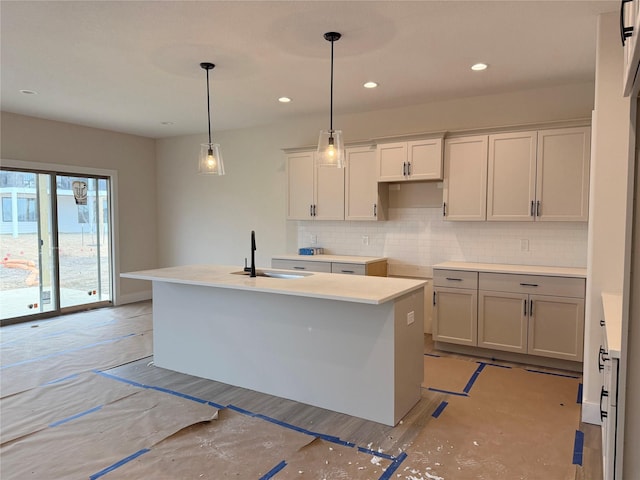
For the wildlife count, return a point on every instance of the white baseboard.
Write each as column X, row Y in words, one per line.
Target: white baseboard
column 591, row 413
column 134, row 297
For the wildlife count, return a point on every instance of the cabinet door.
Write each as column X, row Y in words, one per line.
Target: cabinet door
column 425, row 159
column 511, row 180
column 465, row 178
column 455, row 316
column 392, row 159
column 502, row 321
column 556, row 327
column 329, row 193
column 361, row 190
column 562, row 181
column 300, row 180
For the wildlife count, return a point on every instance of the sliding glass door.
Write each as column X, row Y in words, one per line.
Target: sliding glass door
column 55, row 241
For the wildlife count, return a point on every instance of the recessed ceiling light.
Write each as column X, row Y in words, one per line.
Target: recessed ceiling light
column 479, row 67
column 370, row 85
column 284, row 99
column 29, row 92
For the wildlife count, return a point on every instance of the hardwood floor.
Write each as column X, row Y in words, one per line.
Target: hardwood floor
column 367, row 435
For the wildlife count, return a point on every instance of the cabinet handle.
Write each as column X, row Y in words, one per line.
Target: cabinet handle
column 347, row 271
column 625, row 32
column 603, row 413
column 538, row 208
column 533, row 208
column 602, row 357
column 311, row 210
column 297, row 267
column 434, row 298
column 408, row 169
column 375, row 209
column 528, row 284
column 602, row 323
column 404, row 169
column 531, row 308
column 451, row 279
column 444, row 209
column 525, row 308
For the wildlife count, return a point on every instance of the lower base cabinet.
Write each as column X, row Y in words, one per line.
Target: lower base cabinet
column 529, row 314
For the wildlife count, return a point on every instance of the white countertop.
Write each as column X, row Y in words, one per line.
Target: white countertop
column 517, row 269
column 348, row 288
column 612, row 306
column 332, row 258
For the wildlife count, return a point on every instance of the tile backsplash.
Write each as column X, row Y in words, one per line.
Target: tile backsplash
column 420, row 236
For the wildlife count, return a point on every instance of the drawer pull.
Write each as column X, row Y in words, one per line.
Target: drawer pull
column 602, row 357
column 528, row 284
column 297, row 267
column 603, row 413
column 602, row 323
column 347, row 271
column 451, row 279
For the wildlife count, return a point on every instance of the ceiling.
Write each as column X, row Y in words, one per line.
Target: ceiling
column 131, row 66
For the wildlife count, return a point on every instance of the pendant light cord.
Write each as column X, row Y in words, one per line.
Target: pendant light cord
column 208, row 107
column 331, row 101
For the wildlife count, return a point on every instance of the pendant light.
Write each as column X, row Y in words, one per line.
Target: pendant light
column 210, row 162
column 331, row 144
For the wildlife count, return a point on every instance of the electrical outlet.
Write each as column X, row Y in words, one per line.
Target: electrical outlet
column 365, row 239
column 411, row 317
column 524, row 245
column 313, row 239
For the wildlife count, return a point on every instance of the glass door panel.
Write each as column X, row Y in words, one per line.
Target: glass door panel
column 27, row 265
column 83, row 240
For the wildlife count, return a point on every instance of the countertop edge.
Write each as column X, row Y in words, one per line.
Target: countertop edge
column 574, row 272
column 353, row 259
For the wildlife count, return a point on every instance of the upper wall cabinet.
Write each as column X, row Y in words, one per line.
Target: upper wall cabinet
column 365, row 199
column 313, row 193
column 629, row 32
column 405, row 161
column 465, row 178
column 520, row 176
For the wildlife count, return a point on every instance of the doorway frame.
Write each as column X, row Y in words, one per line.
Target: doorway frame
column 60, row 169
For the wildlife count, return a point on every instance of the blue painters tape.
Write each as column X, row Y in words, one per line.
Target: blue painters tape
column 439, row 410
column 58, row 380
column 489, row 364
column 460, row 394
column 431, row 355
column 376, row 454
column 77, row 415
column 551, row 373
column 159, row 389
column 51, row 355
column 387, row 474
column 578, row 445
column 474, row 377
column 118, row 464
column 579, row 396
column 273, row 471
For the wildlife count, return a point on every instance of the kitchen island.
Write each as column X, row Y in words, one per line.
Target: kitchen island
column 346, row 343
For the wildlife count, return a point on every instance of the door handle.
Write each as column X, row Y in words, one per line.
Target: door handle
column 531, row 308
column 533, row 208
column 538, row 208
column 434, row 298
column 625, row 32
column 525, row 308
column 444, row 209
column 404, row 169
column 603, row 413
column 375, row 209
column 602, row 357
column 408, row 169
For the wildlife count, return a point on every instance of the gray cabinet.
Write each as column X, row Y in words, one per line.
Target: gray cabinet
column 377, row 267
column 455, row 307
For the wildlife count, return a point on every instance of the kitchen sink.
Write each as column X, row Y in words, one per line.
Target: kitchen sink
column 266, row 273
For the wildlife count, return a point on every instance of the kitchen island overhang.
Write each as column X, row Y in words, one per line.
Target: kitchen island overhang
column 347, row 344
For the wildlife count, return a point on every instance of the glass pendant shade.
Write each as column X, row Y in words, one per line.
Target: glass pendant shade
column 330, row 149
column 210, row 160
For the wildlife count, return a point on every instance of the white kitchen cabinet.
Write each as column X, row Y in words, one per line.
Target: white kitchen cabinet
column 405, row 161
column 365, row 199
column 511, row 179
column 562, row 175
column 313, row 192
column 465, row 178
column 455, row 307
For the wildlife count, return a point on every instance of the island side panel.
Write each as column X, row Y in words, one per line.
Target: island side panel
column 409, row 351
column 332, row 354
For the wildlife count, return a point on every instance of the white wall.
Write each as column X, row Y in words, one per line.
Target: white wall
column 208, row 219
column 607, row 236
column 34, row 140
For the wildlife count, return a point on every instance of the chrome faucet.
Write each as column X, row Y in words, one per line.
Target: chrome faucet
column 252, row 268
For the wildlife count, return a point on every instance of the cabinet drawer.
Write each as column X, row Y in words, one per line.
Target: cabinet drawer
column 301, row 265
column 348, row 268
column 455, row 279
column 535, row 284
